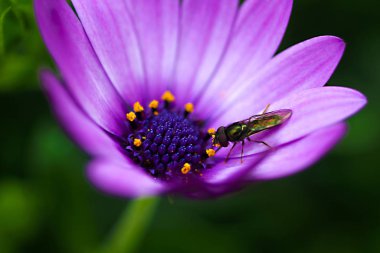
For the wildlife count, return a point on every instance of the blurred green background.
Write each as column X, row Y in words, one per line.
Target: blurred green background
column 46, row 204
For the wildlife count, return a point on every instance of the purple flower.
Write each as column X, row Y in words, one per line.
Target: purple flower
column 118, row 58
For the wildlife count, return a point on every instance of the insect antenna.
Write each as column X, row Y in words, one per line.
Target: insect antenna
column 266, row 108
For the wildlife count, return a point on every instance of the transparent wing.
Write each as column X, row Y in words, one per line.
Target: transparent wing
column 258, row 123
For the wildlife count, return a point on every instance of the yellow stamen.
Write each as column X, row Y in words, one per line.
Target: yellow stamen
column 137, row 142
column 131, row 116
column 186, row 168
column 217, row 145
column 137, row 107
column 211, row 131
column 189, row 107
column 153, row 104
column 168, row 96
column 210, row 152
column 155, row 113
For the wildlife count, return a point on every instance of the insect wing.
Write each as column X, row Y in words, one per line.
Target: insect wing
column 258, row 123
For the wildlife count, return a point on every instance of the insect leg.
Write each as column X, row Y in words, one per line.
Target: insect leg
column 263, row 142
column 218, row 149
column 242, row 152
column 229, row 153
column 266, row 109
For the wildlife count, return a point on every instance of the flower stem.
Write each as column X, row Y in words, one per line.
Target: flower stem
column 131, row 227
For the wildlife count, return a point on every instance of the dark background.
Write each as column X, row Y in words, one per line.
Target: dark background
column 47, row 205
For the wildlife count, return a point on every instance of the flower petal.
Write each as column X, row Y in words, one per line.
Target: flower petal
column 84, row 76
column 110, row 29
column 280, row 162
column 85, row 132
column 156, row 24
column 299, row 155
column 312, row 109
column 231, row 171
column 122, row 179
column 256, row 35
column 306, row 65
column 204, row 33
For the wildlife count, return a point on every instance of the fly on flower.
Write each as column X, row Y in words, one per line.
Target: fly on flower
column 217, row 58
column 242, row 130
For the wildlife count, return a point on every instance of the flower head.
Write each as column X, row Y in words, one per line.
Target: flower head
column 156, row 90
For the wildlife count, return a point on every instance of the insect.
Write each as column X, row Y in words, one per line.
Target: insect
column 241, row 130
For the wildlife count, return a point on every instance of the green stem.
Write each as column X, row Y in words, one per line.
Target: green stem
column 131, row 227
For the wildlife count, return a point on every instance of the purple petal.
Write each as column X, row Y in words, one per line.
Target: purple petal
column 282, row 161
column 122, row 179
column 204, row 33
column 312, row 109
column 299, row 155
column 256, row 35
column 157, row 29
column 227, row 173
column 223, row 177
column 306, row 65
column 85, row 132
column 85, row 78
column 109, row 27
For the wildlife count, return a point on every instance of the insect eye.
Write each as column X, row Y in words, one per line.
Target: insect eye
column 221, row 137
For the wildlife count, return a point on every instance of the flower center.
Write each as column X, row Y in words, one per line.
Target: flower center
column 167, row 143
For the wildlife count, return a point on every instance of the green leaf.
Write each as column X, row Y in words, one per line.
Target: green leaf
column 2, row 18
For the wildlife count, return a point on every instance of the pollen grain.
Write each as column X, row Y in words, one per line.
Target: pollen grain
column 210, row 152
column 217, row 145
column 186, row 168
column 131, row 116
column 211, row 131
column 189, row 108
column 168, row 96
column 137, row 142
column 137, row 107
column 153, row 104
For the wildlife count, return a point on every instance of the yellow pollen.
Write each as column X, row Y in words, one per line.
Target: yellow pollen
column 155, row 113
column 137, row 142
column 216, row 145
column 189, row 107
column 131, row 116
column 186, row 168
column 153, row 104
column 210, row 152
column 168, row 96
column 211, row 131
column 137, row 107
